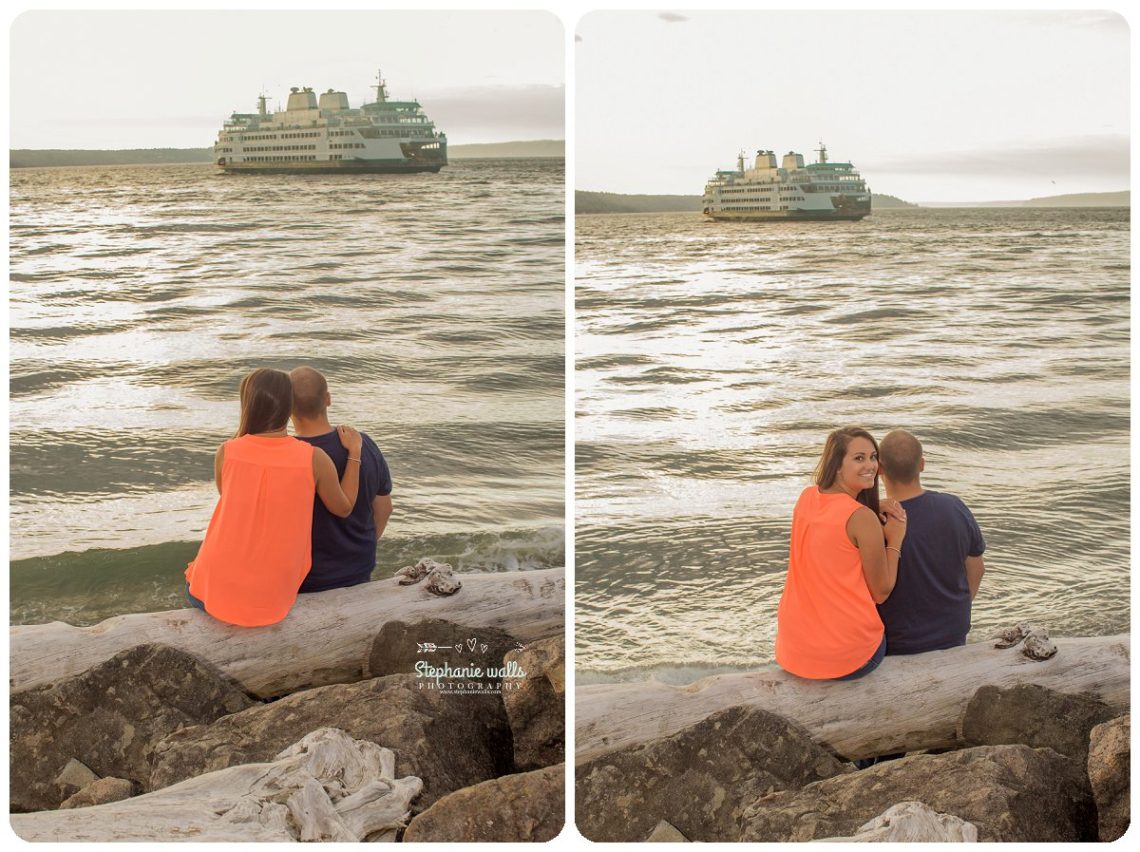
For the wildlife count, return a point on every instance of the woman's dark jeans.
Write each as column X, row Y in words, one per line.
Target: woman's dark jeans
column 871, row 664
column 194, row 602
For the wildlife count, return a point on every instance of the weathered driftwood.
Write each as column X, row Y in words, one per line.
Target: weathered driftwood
column 328, row 786
column 325, row 639
column 908, row 703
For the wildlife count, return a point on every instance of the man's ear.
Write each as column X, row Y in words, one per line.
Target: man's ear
column 328, row 399
column 921, row 463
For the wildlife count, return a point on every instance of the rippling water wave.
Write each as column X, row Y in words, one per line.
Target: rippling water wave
column 713, row 359
column 141, row 295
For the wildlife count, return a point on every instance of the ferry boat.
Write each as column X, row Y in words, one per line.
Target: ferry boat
column 790, row 192
column 324, row 135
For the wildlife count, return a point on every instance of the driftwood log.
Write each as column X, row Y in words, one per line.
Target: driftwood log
column 908, row 703
column 325, row 639
column 328, row 786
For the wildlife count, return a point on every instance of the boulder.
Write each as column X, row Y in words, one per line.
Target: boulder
column 536, row 706
column 400, row 645
column 1034, row 716
column 327, row 787
column 100, row 792
column 1110, row 765
column 109, row 718
column 911, row 822
column 74, row 776
column 1009, row 792
column 526, row 807
column 449, row 741
column 700, row 779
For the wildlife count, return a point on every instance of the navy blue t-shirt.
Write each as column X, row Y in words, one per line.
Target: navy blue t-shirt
column 929, row 608
column 344, row 549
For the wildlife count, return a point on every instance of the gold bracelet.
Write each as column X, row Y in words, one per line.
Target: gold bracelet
column 350, row 458
column 895, row 549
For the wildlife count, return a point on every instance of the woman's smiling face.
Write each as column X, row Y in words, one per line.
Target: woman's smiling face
column 859, row 468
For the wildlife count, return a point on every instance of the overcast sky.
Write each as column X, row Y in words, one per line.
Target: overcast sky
column 136, row 79
column 929, row 106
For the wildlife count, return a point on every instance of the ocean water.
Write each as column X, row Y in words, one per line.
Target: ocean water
column 712, row 359
column 140, row 295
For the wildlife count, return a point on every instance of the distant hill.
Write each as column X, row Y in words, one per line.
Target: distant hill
column 881, row 201
column 22, row 158
column 612, row 202
column 1082, row 199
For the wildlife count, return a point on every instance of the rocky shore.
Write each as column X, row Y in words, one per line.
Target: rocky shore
column 1021, row 761
column 158, row 743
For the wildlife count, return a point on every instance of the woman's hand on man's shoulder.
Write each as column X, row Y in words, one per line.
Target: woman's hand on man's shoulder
column 350, row 439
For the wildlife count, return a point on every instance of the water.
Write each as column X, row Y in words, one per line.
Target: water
column 141, row 295
column 713, row 359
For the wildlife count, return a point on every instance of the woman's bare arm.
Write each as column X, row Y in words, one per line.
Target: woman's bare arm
column 339, row 497
column 880, row 565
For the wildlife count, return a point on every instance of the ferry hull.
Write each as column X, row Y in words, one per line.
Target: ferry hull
column 786, row 215
column 357, row 167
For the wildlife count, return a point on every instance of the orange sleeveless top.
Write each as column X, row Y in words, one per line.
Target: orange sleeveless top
column 827, row 625
column 257, row 549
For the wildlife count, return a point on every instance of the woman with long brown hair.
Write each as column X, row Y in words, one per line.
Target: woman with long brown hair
column 257, row 547
column 844, row 559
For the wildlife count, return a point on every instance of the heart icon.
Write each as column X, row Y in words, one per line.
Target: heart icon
column 459, row 647
column 483, row 648
column 471, row 643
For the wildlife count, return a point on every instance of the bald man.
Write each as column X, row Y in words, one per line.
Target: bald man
column 344, row 549
column 941, row 566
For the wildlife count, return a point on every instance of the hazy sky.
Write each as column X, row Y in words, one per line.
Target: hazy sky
column 929, row 106
column 136, row 79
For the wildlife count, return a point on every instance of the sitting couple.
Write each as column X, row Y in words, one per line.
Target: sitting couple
column 866, row 580
column 269, row 538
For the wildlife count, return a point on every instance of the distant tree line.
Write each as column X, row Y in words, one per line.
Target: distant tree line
column 27, row 158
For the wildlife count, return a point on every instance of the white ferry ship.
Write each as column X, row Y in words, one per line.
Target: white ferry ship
column 792, row 191
column 325, row 135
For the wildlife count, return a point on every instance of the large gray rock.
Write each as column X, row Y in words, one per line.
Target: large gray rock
column 699, row 779
column 450, row 741
column 400, row 645
column 1033, row 716
column 536, row 707
column 1010, row 793
column 1110, row 765
column 109, row 718
column 527, row 807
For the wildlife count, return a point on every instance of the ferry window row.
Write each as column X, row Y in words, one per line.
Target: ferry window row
column 279, row 159
column 271, row 137
column 282, row 148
